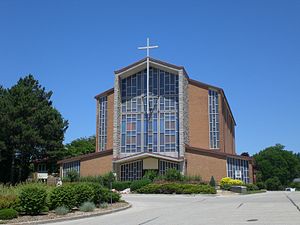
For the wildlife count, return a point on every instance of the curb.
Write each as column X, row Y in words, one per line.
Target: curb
column 74, row 217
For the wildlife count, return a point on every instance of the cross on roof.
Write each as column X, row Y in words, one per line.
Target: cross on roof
column 148, row 47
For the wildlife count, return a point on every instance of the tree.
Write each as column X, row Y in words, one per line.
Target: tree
column 274, row 162
column 212, row 181
column 31, row 128
column 81, row 146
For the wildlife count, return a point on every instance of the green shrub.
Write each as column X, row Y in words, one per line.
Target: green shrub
column 261, row 185
column 63, row 196
column 150, row 174
column 103, row 205
column 227, row 182
column 8, row 214
column 121, row 185
column 273, row 184
column 102, row 194
column 83, row 192
column 61, row 210
column 73, row 175
column 173, row 175
column 32, row 199
column 99, row 191
column 8, row 201
column 111, row 197
column 87, row 207
column 251, row 187
column 107, row 178
column 225, row 187
column 92, row 179
column 196, row 179
column 212, row 181
column 295, row 185
column 178, row 188
column 137, row 184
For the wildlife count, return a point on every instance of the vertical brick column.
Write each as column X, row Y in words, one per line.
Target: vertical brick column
column 117, row 118
column 183, row 113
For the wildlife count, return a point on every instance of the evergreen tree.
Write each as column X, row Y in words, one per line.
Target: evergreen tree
column 31, row 128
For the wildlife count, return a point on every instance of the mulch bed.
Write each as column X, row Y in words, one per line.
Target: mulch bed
column 52, row 216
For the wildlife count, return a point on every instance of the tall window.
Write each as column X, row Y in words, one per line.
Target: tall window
column 158, row 131
column 71, row 166
column 238, row 169
column 214, row 133
column 102, row 123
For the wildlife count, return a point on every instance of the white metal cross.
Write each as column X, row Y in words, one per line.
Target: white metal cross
column 148, row 47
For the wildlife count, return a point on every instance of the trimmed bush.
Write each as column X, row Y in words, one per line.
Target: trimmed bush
column 8, row 201
column 93, row 179
column 111, row 196
column 137, row 184
column 83, row 192
column 103, row 205
column 73, row 176
column 196, row 179
column 63, row 196
column 273, row 184
column 150, row 174
column 33, row 199
column 177, row 188
column 212, row 181
column 261, row 185
column 107, row 178
column 251, row 187
column 295, row 185
column 61, row 210
column 227, row 182
column 225, row 187
column 87, row 207
column 173, row 175
column 102, row 194
column 121, row 185
column 8, row 214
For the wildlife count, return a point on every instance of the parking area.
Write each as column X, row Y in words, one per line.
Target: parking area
column 264, row 209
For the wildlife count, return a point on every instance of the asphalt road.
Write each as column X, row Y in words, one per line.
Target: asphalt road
column 264, row 209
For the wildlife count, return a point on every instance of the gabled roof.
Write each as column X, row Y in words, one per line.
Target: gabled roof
column 152, row 60
column 144, row 155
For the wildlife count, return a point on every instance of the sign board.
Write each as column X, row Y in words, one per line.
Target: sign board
column 42, row 175
column 238, row 174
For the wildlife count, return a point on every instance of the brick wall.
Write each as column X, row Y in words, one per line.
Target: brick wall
column 206, row 166
column 198, row 117
column 96, row 166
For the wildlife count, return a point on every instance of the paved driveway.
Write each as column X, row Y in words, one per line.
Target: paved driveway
column 265, row 209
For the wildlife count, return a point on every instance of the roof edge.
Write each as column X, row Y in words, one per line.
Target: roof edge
column 201, row 84
column 107, row 92
column 153, row 60
column 86, row 156
column 217, row 153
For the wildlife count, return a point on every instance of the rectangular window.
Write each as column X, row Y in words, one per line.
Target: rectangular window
column 131, row 171
column 214, row 133
column 102, row 123
column 165, row 165
column 71, row 166
column 238, row 169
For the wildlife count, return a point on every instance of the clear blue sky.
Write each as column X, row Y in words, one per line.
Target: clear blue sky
column 249, row 48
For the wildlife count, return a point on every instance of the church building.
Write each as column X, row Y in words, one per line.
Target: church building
column 155, row 118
